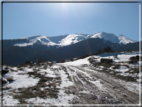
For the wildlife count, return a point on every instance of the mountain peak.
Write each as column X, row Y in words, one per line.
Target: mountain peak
column 121, row 35
column 106, row 36
column 125, row 40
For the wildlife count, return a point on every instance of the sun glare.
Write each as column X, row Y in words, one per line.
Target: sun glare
column 64, row 4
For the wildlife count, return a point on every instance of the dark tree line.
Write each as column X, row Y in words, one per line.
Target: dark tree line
column 106, row 49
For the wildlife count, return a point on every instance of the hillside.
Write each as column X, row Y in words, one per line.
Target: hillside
column 56, row 48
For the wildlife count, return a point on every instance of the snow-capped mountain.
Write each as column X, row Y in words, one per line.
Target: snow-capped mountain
column 113, row 38
column 125, row 40
column 69, row 39
column 106, row 36
column 40, row 39
column 72, row 39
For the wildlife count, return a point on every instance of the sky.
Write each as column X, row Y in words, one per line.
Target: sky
column 54, row 19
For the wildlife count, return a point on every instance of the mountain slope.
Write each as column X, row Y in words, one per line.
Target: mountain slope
column 130, row 46
column 84, row 47
column 125, row 40
column 106, row 36
column 34, row 48
column 113, row 38
column 72, row 39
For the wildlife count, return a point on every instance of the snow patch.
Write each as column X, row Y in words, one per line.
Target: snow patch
column 62, row 99
column 9, row 100
column 98, row 84
column 122, row 69
column 78, row 62
column 21, row 81
column 65, row 81
column 71, row 39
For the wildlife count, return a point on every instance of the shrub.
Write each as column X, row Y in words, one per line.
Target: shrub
column 28, row 62
column 134, row 59
column 40, row 61
column 108, row 49
column 91, row 60
column 126, row 78
column 71, row 59
column 117, row 66
column 4, row 81
column 5, row 71
column 5, row 88
column 10, row 79
column 105, row 60
column 62, row 61
column 43, row 84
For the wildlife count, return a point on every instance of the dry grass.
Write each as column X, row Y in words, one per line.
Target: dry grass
column 126, row 78
column 6, row 88
column 49, row 90
column 35, row 91
column 10, row 79
column 116, row 66
column 106, row 65
column 5, row 71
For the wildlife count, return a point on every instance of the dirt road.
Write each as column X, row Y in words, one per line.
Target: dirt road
column 92, row 87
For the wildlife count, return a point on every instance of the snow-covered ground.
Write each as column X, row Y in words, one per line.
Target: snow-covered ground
column 21, row 81
column 121, row 56
column 78, row 62
column 73, row 83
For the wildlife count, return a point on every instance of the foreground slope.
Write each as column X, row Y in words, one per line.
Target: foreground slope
column 76, row 82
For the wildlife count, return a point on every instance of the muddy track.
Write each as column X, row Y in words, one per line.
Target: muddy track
column 115, row 89
column 113, row 92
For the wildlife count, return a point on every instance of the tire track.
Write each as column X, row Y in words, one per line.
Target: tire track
column 115, row 89
column 95, row 95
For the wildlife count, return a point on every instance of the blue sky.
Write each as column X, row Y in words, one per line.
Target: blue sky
column 53, row 19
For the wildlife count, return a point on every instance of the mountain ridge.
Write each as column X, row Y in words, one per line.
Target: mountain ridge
column 68, row 39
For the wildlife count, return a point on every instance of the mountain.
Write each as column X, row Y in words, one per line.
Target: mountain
column 40, row 39
column 113, row 38
column 125, row 40
column 68, row 39
column 34, row 48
